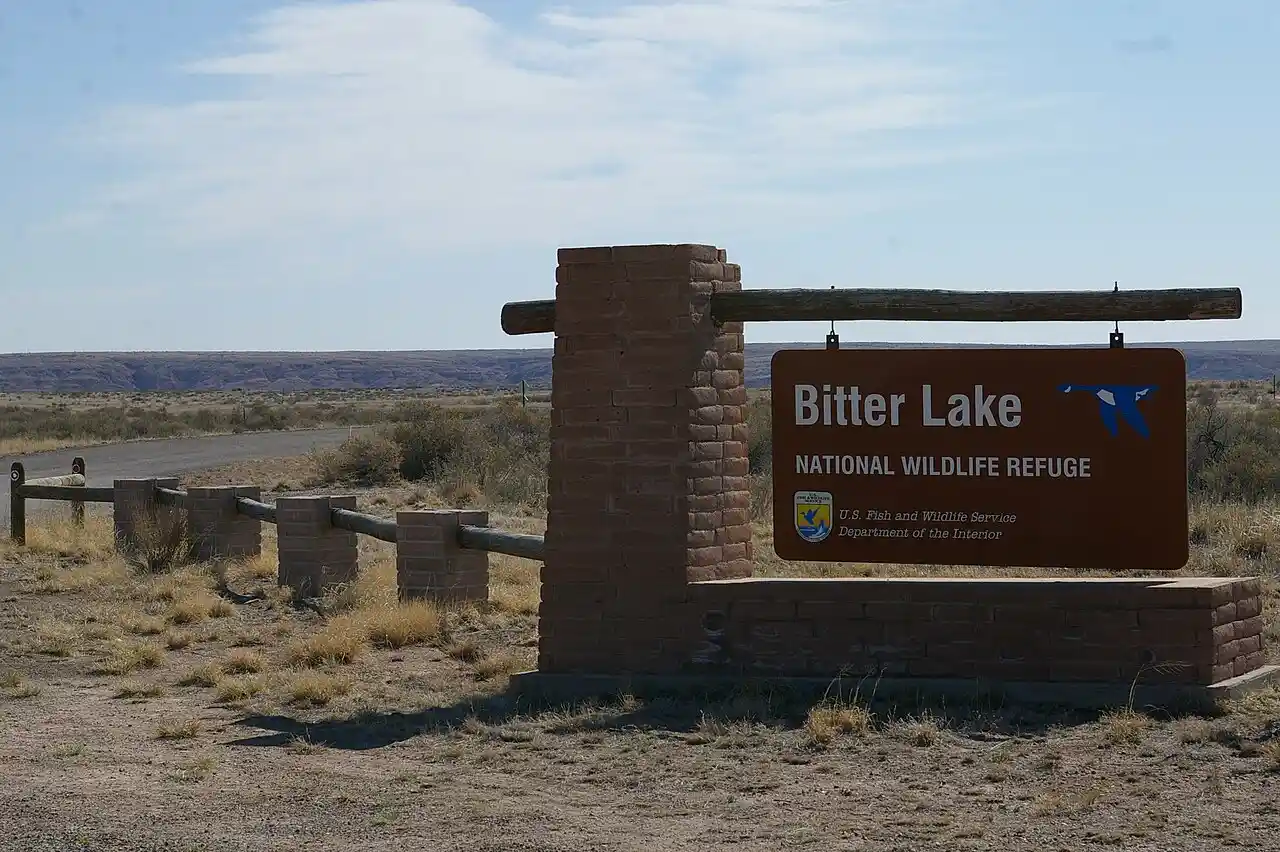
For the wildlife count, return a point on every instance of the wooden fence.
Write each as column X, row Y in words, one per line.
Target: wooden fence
column 72, row 489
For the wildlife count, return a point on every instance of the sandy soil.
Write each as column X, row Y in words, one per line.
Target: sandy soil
column 154, row 713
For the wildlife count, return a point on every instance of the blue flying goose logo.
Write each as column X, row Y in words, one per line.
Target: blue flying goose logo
column 1116, row 403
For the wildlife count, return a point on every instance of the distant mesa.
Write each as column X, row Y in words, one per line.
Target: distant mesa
column 478, row 370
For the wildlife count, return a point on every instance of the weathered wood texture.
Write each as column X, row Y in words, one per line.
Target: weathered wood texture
column 171, row 497
column 17, row 505
column 34, row 490
column 497, row 541
column 358, row 522
column 77, row 506
column 529, row 317
column 69, row 488
column 935, row 306
column 264, row 512
column 69, row 480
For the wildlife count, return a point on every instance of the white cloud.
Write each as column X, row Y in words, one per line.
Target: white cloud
column 430, row 124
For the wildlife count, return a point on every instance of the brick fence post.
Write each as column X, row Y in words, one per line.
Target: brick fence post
column 648, row 476
column 217, row 530
column 429, row 562
column 314, row 554
column 134, row 506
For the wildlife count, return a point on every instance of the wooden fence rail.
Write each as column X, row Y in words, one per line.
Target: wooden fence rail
column 537, row 317
column 358, row 522
column 264, row 512
column 71, row 488
column 497, row 541
column 171, row 497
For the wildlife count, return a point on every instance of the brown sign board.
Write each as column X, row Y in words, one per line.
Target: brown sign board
column 1071, row 458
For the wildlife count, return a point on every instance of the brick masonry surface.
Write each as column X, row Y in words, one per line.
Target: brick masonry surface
column 648, row 475
column 216, row 529
column 1099, row 630
column 429, row 562
column 134, row 504
column 314, row 554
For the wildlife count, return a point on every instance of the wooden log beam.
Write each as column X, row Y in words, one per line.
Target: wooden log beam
column 250, row 508
column 37, row 490
column 959, row 306
column 171, row 497
column 529, row 317
column 936, row 306
column 69, row 480
column 358, row 522
column 497, row 541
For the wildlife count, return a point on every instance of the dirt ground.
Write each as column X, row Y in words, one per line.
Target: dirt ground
column 200, row 709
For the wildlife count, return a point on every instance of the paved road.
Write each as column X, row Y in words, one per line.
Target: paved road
column 171, row 457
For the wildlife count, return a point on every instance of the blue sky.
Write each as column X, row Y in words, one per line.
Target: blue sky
column 244, row 174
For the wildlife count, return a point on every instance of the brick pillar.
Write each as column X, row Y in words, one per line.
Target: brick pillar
column 217, row 530
column 314, row 554
column 648, row 478
column 135, row 504
column 429, row 562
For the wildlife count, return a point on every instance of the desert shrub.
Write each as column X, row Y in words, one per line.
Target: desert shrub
column 160, row 543
column 1232, row 453
column 500, row 452
column 118, row 422
column 760, row 436
column 437, row 440
column 360, row 460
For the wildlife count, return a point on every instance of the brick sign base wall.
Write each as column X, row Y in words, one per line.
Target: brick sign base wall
column 648, row 544
column 1193, row 631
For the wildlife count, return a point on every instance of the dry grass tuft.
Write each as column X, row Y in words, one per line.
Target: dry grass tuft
column 23, row 690
column 209, row 674
column 1190, row 731
column 303, row 745
column 128, row 657
column 375, row 587
column 91, row 547
column 922, row 732
column 198, row 606
column 15, row 687
column 827, row 722
column 241, row 661
column 514, row 585
column 144, row 625
column 264, row 566
column 186, row 729
column 491, row 666
column 314, row 689
column 56, row 640
column 139, row 690
column 239, row 689
column 466, row 650
column 160, row 542
column 198, row 769
column 410, row 623
column 1124, row 727
column 176, row 640
column 94, row 573
column 342, row 640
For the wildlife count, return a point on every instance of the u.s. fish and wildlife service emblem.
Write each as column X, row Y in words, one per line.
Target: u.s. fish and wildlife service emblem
column 813, row 515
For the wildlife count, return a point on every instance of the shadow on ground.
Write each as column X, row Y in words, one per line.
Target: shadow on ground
column 981, row 719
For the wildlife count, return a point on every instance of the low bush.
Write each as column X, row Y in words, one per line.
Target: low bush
column 500, row 452
column 1233, row 452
